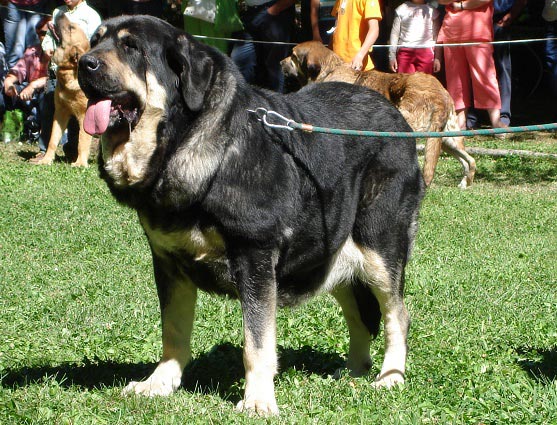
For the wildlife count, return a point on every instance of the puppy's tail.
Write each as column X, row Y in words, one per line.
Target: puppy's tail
column 368, row 307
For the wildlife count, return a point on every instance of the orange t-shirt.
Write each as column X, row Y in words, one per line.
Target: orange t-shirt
column 352, row 27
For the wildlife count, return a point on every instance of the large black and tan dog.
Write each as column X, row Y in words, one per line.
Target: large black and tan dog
column 266, row 215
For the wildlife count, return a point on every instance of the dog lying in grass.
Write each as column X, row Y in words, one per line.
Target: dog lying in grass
column 420, row 97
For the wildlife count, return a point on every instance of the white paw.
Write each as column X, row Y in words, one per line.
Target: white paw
column 261, row 407
column 463, row 184
column 151, row 387
column 389, row 380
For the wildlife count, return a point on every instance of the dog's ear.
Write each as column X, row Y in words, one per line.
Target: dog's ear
column 313, row 70
column 194, row 69
column 313, row 65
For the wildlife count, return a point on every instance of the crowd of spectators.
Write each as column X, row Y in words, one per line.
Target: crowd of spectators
column 480, row 75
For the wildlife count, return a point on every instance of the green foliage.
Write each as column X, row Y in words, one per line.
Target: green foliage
column 12, row 124
column 79, row 314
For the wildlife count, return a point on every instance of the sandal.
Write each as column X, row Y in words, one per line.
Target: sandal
column 37, row 157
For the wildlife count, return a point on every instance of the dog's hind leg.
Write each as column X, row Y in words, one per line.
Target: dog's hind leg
column 387, row 287
column 455, row 146
column 362, row 315
column 177, row 299
column 431, row 157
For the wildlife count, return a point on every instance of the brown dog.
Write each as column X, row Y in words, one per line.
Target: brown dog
column 69, row 99
column 422, row 100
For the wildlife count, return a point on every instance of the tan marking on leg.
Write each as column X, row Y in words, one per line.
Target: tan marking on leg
column 359, row 361
column 395, row 316
column 261, row 367
column 177, row 325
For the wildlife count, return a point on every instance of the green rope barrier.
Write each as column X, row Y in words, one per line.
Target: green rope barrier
column 282, row 122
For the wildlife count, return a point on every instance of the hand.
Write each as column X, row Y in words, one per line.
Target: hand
column 436, row 65
column 10, row 90
column 505, row 21
column 357, row 63
column 27, row 93
column 48, row 53
column 393, row 65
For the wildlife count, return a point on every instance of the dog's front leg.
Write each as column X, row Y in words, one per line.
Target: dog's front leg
column 257, row 287
column 177, row 297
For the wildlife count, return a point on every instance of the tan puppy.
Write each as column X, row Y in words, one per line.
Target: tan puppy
column 420, row 97
column 69, row 99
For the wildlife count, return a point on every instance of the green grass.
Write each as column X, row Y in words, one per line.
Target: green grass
column 79, row 314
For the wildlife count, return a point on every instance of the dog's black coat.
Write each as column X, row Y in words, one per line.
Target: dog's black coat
column 282, row 202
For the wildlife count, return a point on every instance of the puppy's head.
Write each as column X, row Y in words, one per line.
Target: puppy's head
column 307, row 62
column 73, row 43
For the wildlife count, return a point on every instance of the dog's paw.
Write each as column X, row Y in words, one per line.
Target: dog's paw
column 464, row 183
column 80, row 164
column 150, row 388
column 41, row 161
column 260, row 407
column 389, row 379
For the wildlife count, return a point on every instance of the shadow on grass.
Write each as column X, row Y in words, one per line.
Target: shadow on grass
column 219, row 371
column 515, row 170
column 540, row 364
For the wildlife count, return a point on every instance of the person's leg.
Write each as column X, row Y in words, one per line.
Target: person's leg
column 46, row 113
column 277, row 29
column 244, row 56
column 423, row 60
column 484, row 81
column 11, row 19
column 404, row 60
column 551, row 56
column 458, row 80
column 31, row 20
column 502, row 59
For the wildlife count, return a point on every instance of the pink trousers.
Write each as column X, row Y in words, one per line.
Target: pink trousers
column 470, row 70
column 413, row 60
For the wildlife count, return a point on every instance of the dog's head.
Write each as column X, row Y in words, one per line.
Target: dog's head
column 309, row 62
column 73, row 43
column 142, row 77
column 132, row 66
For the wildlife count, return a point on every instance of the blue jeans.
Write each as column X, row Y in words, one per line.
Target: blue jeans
column 550, row 60
column 502, row 59
column 19, row 29
column 260, row 63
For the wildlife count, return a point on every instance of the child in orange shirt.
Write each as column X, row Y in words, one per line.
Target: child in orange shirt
column 357, row 29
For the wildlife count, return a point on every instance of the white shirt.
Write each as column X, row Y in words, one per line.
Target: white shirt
column 414, row 25
column 85, row 16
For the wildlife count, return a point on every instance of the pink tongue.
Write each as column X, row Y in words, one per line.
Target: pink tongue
column 97, row 116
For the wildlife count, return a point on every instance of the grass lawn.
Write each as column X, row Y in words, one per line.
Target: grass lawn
column 79, row 314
